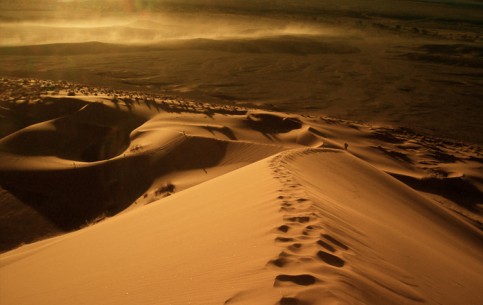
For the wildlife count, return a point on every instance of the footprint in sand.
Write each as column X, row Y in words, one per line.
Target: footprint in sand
column 284, row 239
column 287, row 209
column 295, row 247
column 282, row 260
column 279, row 262
column 290, row 301
column 284, row 228
column 300, row 219
column 301, row 279
column 308, row 230
column 331, row 259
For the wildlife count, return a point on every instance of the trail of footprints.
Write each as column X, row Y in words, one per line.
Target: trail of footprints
column 302, row 238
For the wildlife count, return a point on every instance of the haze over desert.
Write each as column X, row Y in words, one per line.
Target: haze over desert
column 225, row 152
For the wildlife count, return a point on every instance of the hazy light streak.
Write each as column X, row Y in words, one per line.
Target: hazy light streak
column 153, row 29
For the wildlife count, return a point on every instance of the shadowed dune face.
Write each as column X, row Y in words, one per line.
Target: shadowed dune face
column 84, row 193
column 81, row 194
column 272, row 123
column 79, row 136
column 23, row 114
column 95, row 132
column 451, row 188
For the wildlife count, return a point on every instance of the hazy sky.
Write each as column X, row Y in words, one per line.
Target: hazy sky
column 138, row 21
column 145, row 21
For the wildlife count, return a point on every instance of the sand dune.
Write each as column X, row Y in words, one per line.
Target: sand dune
column 179, row 202
column 263, row 234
